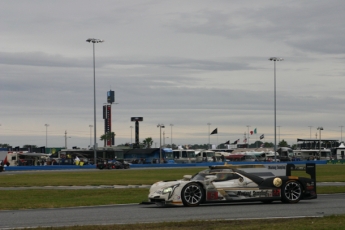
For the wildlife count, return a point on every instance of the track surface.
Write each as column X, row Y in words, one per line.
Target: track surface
column 135, row 213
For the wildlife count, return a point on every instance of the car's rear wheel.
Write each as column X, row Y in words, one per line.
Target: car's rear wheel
column 291, row 192
column 192, row 194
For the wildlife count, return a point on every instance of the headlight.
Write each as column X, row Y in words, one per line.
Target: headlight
column 167, row 190
column 170, row 190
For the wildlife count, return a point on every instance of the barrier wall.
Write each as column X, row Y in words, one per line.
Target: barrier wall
column 169, row 165
column 336, row 162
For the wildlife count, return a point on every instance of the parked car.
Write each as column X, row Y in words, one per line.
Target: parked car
column 227, row 183
column 121, row 165
column 113, row 164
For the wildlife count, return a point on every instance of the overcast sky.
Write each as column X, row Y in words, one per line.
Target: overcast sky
column 186, row 63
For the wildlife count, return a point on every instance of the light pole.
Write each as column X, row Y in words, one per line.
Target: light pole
column 90, row 133
column 171, row 125
column 279, row 135
column 46, row 125
column 320, row 128
column 66, row 139
column 248, row 135
column 160, row 141
column 275, row 59
column 131, row 133
column 310, row 130
column 94, row 40
column 208, row 135
column 164, row 142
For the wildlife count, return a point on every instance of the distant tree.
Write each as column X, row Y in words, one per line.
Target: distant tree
column 106, row 137
column 294, row 146
column 148, row 142
column 30, row 146
column 268, row 145
column 197, row 146
column 283, row 143
column 256, row 144
column 4, row 145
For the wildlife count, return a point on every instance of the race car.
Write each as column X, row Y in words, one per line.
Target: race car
column 230, row 183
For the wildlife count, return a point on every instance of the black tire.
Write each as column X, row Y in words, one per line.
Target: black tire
column 291, row 192
column 192, row 194
column 126, row 166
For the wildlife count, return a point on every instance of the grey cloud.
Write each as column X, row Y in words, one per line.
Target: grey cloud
column 313, row 27
column 47, row 60
column 40, row 59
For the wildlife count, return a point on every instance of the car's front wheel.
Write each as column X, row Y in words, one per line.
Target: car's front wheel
column 192, row 194
column 291, row 192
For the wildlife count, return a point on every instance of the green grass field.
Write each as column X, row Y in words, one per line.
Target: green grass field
column 325, row 173
column 51, row 198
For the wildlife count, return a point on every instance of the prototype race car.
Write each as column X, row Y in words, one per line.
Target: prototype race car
column 228, row 183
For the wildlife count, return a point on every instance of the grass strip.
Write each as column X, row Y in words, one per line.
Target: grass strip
column 95, row 177
column 334, row 222
column 34, row 199
column 325, row 173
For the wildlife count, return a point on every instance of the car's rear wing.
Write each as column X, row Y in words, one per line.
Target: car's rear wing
column 309, row 168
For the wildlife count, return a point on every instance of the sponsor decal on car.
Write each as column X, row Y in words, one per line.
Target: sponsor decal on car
column 276, row 167
column 255, row 193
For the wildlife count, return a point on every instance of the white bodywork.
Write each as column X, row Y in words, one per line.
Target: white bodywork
column 222, row 185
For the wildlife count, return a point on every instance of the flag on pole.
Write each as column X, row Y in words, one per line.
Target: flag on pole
column 255, row 131
column 214, row 131
column 251, row 132
column 262, row 136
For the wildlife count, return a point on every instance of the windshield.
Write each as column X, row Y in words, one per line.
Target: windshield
column 191, row 154
column 210, row 154
column 201, row 175
column 169, row 155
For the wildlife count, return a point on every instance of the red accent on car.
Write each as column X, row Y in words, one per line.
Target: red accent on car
column 212, row 195
column 276, row 192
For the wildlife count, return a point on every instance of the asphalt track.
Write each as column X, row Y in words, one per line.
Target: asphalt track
column 136, row 213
